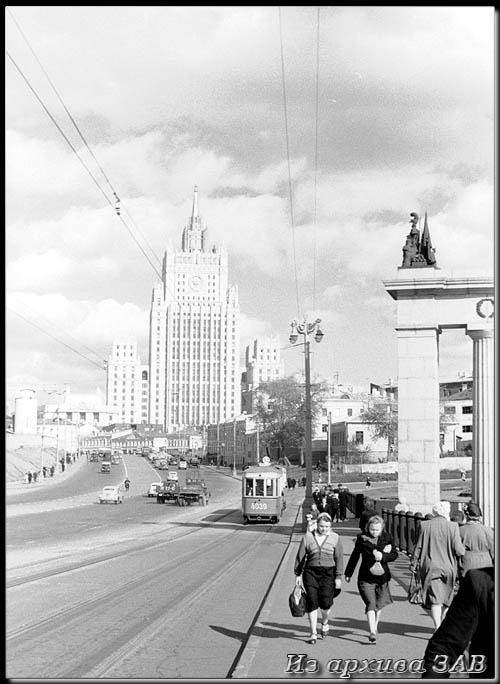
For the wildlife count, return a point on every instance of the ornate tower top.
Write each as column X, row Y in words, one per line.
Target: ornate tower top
column 193, row 235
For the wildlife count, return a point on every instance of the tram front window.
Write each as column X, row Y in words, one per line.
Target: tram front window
column 259, row 487
column 249, row 487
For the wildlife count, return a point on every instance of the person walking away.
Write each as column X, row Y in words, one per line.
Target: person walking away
column 342, row 503
column 334, row 507
column 368, row 483
column 127, row 484
column 469, row 624
column 366, row 514
column 374, row 546
column 462, row 474
column 319, row 564
column 435, row 559
column 478, row 540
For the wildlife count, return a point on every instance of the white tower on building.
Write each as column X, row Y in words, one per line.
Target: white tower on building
column 194, row 335
column 127, row 382
column 263, row 363
column 25, row 412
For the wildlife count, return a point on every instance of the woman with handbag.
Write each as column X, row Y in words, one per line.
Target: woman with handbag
column 375, row 547
column 318, row 567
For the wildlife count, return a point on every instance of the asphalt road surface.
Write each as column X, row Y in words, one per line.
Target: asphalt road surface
column 138, row 590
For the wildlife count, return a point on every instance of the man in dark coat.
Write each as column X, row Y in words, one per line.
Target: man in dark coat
column 470, row 618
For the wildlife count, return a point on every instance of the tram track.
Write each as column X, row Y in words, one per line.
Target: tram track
column 122, row 643
column 79, row 565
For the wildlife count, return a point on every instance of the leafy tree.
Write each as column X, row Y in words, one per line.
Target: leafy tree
column 280, row 410
column 383, row 417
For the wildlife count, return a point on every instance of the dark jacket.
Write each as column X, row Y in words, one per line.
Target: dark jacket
column 365, row 517
column 470, row 618
column 363, row 548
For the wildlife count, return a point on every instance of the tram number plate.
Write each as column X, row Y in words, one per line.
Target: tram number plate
column 257, row 506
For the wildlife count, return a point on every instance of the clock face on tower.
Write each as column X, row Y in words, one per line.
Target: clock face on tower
column 195, row 282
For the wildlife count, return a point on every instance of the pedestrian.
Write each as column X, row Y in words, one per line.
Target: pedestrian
column 318, row 568
column 294, row 482
column 402, row 505
column 342, row 503
column 478, row 540
column 35, row 476
column 304, row 480
column 462, row 474
column 289, row 482
column 368, row 483
column 334, row 506
column 469, row 624
column 375, row 546
column 316, row 495
column 30, row 477
column 435, row 558
column 367, row 513
column 52, row 470
column 26, row 478
column 44, row 471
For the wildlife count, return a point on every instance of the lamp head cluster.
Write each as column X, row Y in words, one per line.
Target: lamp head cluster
column 305, row 329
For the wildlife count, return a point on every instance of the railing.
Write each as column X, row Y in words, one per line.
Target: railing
column 403, row 527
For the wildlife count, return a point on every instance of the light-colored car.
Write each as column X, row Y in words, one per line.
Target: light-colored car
column 111, row 494
column 172, row 476
column 182, row 465
column 153, row 487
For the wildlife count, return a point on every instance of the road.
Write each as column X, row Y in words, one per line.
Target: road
column 138, row 590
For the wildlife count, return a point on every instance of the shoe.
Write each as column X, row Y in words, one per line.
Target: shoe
column 372, row 638
column 312, row 639
column 324, row 631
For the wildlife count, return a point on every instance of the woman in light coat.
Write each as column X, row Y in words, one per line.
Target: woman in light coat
column 435, row 559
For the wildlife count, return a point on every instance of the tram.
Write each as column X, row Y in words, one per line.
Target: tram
column 263, row 492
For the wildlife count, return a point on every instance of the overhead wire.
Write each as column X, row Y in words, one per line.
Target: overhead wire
column 75, row 151
column 100, row 366
column 316, row 164
column 287, row 139
column 84, row 140
column 49, row 323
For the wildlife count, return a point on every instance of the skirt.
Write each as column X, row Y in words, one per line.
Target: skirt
column 375, row 596
column 319, row 584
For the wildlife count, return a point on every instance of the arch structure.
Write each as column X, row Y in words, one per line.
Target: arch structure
column 428, row 303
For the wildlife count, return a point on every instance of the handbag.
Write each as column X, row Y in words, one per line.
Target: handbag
column 297, row 601
column 415, row 595
column 377, row 569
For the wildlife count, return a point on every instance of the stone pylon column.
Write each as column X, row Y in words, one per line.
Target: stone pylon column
column 483, row 436
column 418, row 417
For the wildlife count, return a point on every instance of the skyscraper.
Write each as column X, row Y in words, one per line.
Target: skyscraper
column 127, row 382
column 194, row 335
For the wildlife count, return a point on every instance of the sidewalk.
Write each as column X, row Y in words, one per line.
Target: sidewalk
column 277, row 637
column 20, row 486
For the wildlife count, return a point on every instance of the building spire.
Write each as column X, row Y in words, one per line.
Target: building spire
column 196, row 212
column 193, row 236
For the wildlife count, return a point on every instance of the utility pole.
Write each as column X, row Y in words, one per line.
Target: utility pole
column 329, row 449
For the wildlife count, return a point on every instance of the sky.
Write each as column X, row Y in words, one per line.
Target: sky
column 311, row 136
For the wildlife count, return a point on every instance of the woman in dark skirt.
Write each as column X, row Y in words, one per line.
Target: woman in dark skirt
column 372, row 545
column 318, row 568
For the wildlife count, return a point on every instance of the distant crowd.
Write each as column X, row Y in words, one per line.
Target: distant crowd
column 32, row 476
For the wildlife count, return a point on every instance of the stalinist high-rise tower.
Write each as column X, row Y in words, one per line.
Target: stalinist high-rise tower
column 194, row 335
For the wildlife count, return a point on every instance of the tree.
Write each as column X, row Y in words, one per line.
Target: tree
column 383, row 417
column 280, row 410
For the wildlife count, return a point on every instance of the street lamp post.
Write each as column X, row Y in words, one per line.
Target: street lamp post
column 234, row 448
column 305, row 329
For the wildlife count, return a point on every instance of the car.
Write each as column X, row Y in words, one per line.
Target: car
column 106, row 467
column 162, row 465
column 172, row 476
column 173, row 461
column 111, row 494
column 183, row 465
column 153, row 487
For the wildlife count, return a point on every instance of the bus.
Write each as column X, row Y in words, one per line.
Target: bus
column 263, row 492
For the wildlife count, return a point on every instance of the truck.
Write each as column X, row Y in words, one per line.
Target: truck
column 194, row 462
column 193, row 491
